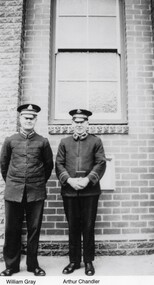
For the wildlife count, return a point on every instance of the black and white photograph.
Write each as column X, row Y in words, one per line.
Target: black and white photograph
column 77, row 142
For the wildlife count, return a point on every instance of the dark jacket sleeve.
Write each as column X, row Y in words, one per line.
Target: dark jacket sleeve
column 99, row 167
column 47, row 159
column 61, row 172
column 5, row 158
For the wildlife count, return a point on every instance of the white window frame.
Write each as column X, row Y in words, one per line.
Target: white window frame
column 104, row 119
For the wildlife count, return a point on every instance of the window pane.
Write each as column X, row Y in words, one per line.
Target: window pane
column 72, row 32
column 102, row 32
column 70, row 95
column 103, row 97
column 72, row 66
column 72, row 7
column 102, row 7
column 103, row 66
column 84, row 7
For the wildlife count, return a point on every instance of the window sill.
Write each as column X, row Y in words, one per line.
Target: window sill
column 94, row 129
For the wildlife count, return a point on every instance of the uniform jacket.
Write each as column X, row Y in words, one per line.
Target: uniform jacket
column 26, row 163
column 80, row 155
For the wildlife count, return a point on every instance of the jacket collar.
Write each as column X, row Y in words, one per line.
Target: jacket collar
column 25, row 135
column 80, row 137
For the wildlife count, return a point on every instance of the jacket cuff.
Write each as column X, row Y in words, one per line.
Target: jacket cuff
column 93, row 177
column 63, row 177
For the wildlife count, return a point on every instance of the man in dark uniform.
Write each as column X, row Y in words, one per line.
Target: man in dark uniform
column 26, row 165
column 80, row 163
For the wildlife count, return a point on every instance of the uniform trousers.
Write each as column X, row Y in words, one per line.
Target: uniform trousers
column 14, row 215
column 81, row 215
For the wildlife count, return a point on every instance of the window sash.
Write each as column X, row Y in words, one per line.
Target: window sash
column 90, row 28
column 92, row 81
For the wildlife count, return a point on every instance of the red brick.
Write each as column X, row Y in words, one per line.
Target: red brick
column 130, row 231
column 49, row 225
column 102, row 224
column 49, row 211
column 147, row 217
column 111, row 217
column 139, row 210
column 55, row 232
column 111, row 231
column 131, row 190
column 138, row 224
column 147, row 230
column 61, row 225
column 130, row 217
column 55, row 204
column 120, row 224
column 104, row 211
column 147, row 203
column 121, row 197
column 130, row 204
column 121, row 211
column 140, row 197
column 55, row 218
column 111, row 204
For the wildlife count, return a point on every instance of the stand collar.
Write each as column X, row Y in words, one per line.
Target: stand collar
column 25, row 135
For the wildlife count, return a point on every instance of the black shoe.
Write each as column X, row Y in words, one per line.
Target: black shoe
column 89, row 268
column 37, row 271
column 71, row 267
column 9, row 272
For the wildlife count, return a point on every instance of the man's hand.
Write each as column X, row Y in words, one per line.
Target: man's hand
column 83, row 182
column 78, row 183
column 73, row 182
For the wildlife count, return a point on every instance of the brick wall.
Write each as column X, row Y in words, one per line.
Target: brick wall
column 35, row 72
column 152, row 8
column 129, row 209
column 128, row 212
column 140, row 115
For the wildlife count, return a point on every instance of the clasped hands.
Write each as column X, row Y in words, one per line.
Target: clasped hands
column 78, row 183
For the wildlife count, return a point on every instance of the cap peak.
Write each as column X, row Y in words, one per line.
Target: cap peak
column 31, row 109
column 80, row 113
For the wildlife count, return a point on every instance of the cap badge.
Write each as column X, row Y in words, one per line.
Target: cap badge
column 30, row 107
column 79, row 111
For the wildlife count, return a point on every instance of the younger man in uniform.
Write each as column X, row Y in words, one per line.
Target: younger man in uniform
column 80, row 164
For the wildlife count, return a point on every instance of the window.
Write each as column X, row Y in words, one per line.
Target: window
column 87, row 60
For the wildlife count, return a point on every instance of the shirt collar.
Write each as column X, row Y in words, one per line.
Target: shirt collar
column 25, row 135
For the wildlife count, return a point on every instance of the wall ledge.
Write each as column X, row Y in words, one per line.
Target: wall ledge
column 93, row 129
column 105, row 245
